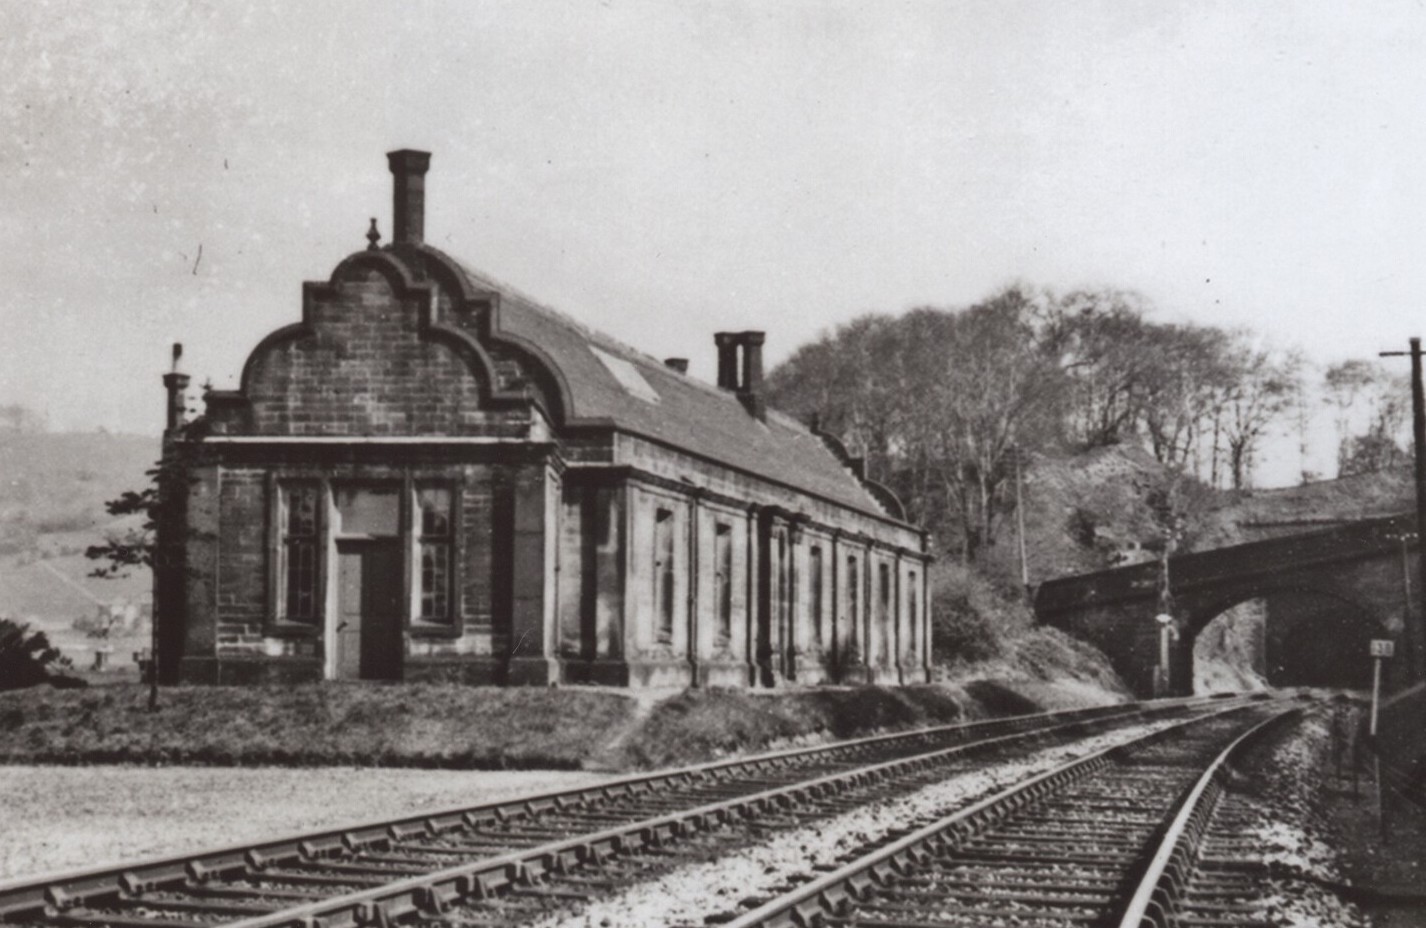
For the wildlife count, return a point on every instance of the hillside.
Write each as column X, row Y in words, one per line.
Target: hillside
column 1090, row 511
column 1252, row 515
column 52, row 497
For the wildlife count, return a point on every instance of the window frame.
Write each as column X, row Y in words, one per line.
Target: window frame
column 722, row 584
column 417, row 620
column 665, row 560
column 279, row 622
column 815, row 604
column 276, row 622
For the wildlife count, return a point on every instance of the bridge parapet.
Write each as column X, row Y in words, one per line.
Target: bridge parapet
column 1358, row 566
column 1196, row 570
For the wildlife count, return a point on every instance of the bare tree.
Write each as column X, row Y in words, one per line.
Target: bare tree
column 1371, row 404
column 1260, row 390
column 1104, row 347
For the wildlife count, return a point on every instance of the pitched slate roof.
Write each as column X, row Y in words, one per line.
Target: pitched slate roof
column 688, row 413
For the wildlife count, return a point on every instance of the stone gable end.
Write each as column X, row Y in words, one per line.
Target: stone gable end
column 363, row 363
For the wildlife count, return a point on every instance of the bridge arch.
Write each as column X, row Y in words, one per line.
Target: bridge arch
column 1356, row 572
column 1314, row 634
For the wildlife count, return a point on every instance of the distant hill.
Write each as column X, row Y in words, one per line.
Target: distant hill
column 53, row 487
column 54, row 483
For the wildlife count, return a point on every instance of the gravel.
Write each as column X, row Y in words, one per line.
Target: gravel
column 688, row 894
column 1292, row 829
column 66, row 818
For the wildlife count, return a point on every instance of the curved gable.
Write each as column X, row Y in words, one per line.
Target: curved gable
column 367, row 360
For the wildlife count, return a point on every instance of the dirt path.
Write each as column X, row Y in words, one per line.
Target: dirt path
column 65, row 818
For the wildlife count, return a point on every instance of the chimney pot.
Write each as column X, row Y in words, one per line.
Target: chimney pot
column 408, row 214
column 752, row 361
column 750, row 391
column 677, row 364
column 727, row 343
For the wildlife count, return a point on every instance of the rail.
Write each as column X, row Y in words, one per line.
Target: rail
column 66, row 894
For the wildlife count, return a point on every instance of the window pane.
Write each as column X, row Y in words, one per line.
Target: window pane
column 368, row 511
column 301, row 580
column 814, row 581
column 663, row 574
column 435, row 505
column 302, row 511
column 724, row 589
column 435, row 580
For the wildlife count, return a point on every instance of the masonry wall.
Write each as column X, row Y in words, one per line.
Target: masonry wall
column 364, row 367
column 234, row 631
column 852, row 626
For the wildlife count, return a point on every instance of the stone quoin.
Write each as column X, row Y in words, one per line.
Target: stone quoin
column 432, row 477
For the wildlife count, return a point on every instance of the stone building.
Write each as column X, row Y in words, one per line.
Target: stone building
column 434, row 477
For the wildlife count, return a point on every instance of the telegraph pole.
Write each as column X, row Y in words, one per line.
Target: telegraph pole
column 1418, row 428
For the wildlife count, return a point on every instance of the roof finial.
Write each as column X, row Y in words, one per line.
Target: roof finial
column 372, row 235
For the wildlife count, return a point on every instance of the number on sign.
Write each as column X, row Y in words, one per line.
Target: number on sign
column 1383, row 647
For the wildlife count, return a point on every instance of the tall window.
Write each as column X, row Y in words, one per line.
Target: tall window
column 911, row 605
column 723, row 582
column 814, row 602
column 299, row 519
column 884, row 616
column 783, row 604
column 663, row 574
column 853, row 587
column 434, row 548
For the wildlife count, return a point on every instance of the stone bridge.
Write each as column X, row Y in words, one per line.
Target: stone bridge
column 1327, row 593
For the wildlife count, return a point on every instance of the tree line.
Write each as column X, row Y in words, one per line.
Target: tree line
column 944, row 403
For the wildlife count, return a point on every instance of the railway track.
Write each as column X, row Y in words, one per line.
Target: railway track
column 1138, row 835
column 505, row 855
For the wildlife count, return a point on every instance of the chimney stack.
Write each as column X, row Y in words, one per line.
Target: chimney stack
column 408, row 214
column 752, row 361
column 727, row 343
column 750, row 391
column 676, row 364
column 175, row 382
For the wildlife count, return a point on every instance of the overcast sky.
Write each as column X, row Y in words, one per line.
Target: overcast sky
column 662, row 170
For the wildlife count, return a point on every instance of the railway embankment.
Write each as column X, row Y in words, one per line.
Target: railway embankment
column 455, row 727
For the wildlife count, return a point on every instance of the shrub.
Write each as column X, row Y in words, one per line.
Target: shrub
column 971, row 620
column 27, row 659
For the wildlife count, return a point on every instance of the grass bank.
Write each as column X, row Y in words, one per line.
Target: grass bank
column 478, row 727
column 385, row 726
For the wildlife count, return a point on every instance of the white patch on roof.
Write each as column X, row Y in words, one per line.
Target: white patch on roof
column 628, row 375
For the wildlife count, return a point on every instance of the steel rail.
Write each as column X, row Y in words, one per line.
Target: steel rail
column 431, row 893
column 1155, row 899
column 62, row 891
column 24, row 892
column 817, row 901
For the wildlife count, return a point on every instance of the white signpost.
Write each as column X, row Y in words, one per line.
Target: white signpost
column 1165, row 631
column 1381, row 649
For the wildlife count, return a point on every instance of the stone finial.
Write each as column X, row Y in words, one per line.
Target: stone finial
column 372, row 236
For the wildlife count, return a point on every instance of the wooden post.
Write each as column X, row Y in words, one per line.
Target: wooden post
column 1418, row 431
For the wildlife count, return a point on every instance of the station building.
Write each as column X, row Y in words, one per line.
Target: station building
column 432, row 477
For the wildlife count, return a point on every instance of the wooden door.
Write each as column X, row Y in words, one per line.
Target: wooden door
column 368, row 635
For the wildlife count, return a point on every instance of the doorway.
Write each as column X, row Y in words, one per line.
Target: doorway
column 368, row 640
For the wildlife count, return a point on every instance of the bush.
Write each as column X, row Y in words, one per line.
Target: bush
column 971, row 620
column 27, row 659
